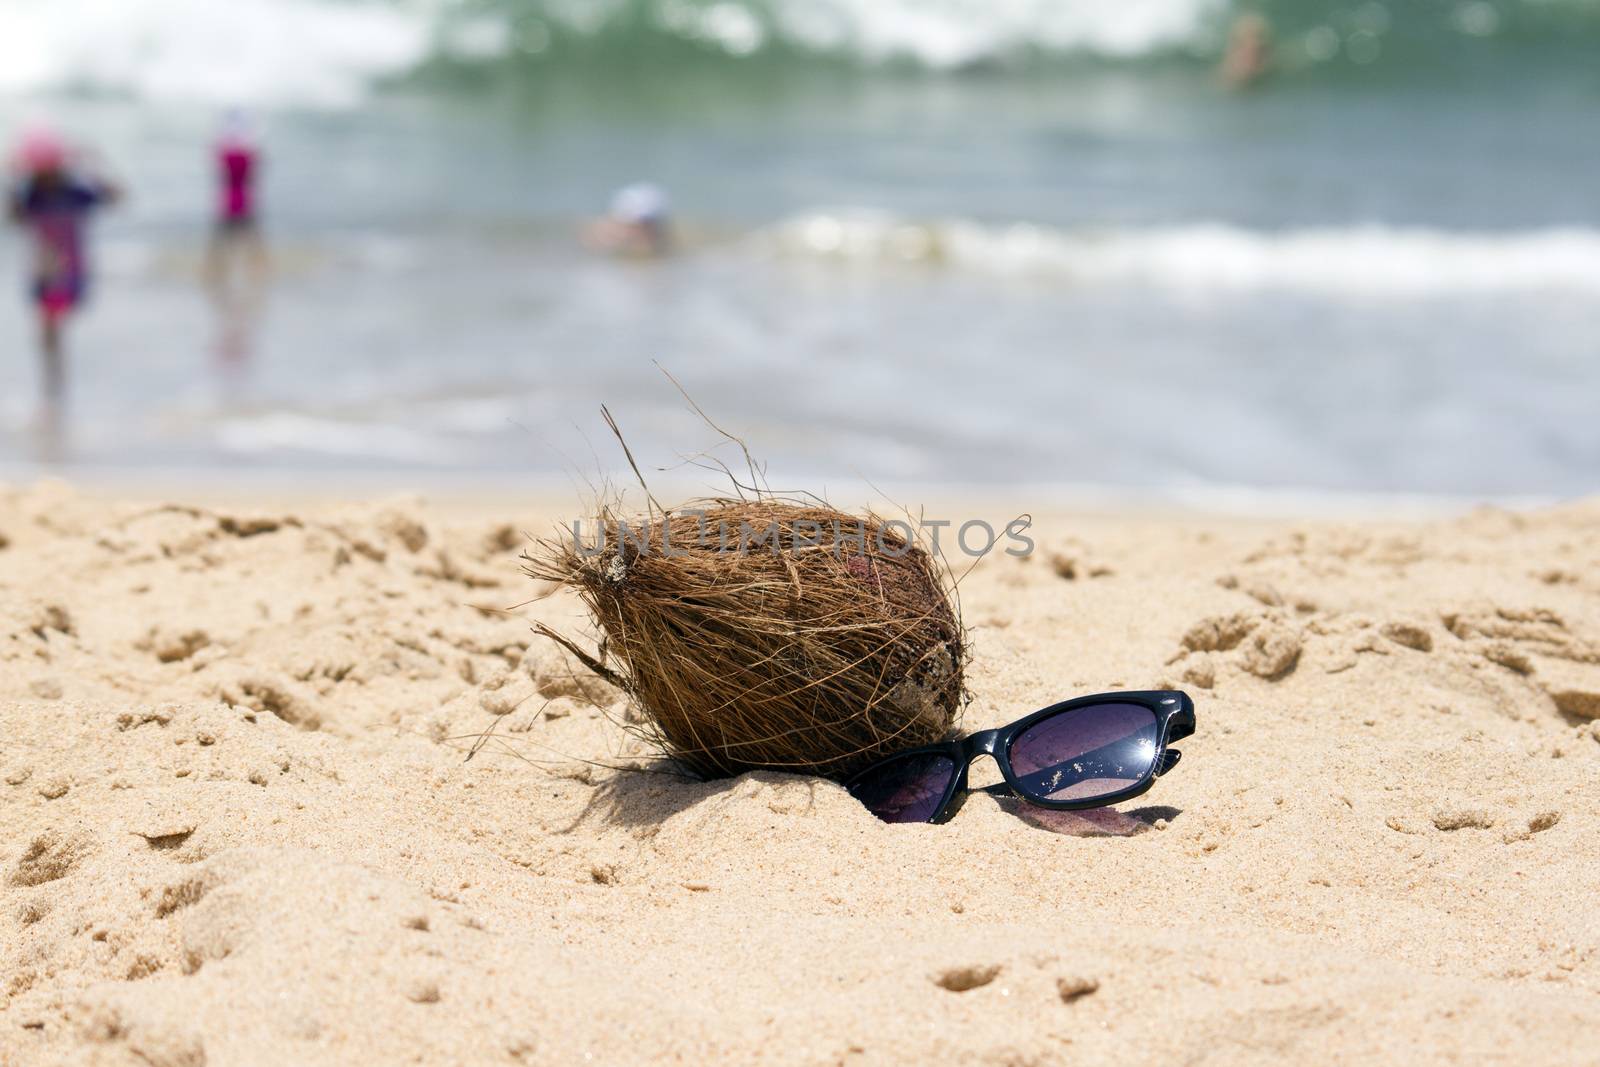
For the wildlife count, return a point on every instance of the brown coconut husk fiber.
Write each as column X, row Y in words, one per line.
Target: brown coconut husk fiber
column 832, row 643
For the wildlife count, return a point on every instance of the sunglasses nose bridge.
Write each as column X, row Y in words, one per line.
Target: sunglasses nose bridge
column 982, row 743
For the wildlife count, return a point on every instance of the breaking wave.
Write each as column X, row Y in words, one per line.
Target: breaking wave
column 333, row 51
column 1376, row 261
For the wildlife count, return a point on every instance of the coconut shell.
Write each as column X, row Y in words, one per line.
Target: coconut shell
column 817, row 641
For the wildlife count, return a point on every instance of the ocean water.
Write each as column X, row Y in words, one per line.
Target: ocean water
column 1026, row 241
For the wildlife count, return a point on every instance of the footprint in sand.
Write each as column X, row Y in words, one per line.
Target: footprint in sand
column 49, row 857
column 1265, row 644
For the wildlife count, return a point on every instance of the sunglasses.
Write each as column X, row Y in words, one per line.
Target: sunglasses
column 1081, row 753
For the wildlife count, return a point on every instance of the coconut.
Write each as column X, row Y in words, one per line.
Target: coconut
column 767, row 634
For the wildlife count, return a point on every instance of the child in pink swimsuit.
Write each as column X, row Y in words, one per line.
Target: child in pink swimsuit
column 238, row 162
column 236, row 165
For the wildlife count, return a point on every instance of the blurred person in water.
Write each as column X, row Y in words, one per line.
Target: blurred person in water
column 236, row 234
column 638, row 223
column 53, row 197
column 1249, row 55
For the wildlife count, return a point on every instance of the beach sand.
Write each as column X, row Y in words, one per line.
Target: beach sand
column 238, row 824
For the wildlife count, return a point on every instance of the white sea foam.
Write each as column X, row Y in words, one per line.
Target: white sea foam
column 950, row 33
column 243, row 51
column 1371, row 260
column 329, row 51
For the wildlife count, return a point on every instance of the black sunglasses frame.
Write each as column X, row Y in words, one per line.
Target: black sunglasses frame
column 1174, row 713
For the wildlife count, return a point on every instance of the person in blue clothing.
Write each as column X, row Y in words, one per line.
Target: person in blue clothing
column 53, row 202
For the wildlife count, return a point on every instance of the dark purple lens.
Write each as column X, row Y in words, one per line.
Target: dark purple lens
column 1087, row 752
column 907, row 789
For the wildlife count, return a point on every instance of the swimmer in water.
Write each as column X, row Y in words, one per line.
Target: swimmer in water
column 53, row 201
column 1249, row 55
column 237, row 230
column 637, row 225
